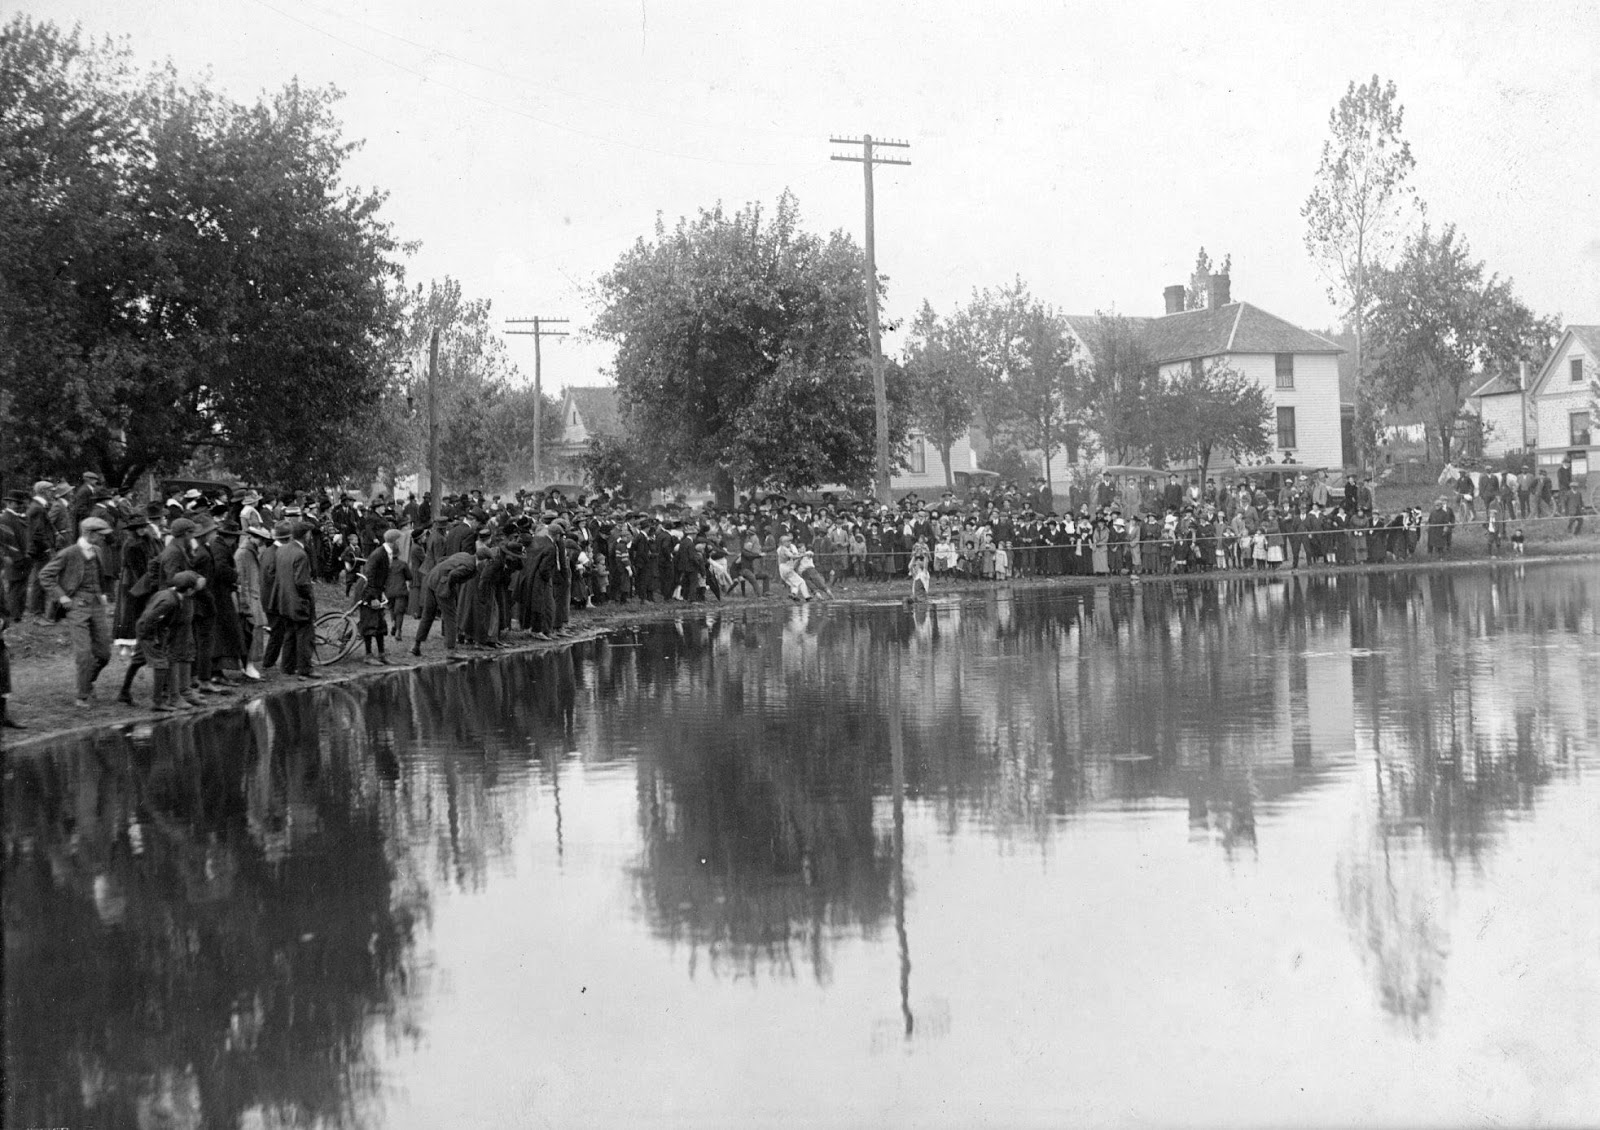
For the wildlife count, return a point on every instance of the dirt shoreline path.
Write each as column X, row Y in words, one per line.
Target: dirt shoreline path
column 43, row 698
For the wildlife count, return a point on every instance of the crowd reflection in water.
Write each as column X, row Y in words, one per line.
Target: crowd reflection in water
column 217, row 917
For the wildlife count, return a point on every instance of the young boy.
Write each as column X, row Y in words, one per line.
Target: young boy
column 375, row 577
column 1517, row 542
column 163, row 625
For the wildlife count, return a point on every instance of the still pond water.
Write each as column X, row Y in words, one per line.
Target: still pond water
column 1303, row 850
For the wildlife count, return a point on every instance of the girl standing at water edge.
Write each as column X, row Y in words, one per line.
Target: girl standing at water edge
column 919, row 567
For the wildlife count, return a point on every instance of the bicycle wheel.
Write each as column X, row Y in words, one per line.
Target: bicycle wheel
column 333, row 638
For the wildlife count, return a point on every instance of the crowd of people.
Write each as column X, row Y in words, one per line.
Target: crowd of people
column 209, row 588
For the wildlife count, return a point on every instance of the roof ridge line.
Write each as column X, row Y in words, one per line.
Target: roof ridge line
column 1232, row 333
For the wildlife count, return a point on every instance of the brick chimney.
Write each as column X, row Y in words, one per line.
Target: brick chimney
column 1174, row 298
column 1217, row 292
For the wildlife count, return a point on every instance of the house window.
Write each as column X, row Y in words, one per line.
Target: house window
column 1284, row 364
column 1286, row 429
column 1578, row 422
column 1577, row 370
column 917, row 459
column 1197, row 369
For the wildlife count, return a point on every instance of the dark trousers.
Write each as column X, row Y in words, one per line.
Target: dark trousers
column 294, row 637
column 442, row 605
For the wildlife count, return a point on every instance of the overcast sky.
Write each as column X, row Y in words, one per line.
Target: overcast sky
column 1090, row 149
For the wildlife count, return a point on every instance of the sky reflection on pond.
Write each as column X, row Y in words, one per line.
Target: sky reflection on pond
column 1297, row 850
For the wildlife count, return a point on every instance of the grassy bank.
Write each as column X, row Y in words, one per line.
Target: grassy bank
column 42, row 668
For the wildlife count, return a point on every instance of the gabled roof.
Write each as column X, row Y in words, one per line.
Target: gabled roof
column 1497, row 385
column 1587, row 336
column 1237, row 327
column 597, row 405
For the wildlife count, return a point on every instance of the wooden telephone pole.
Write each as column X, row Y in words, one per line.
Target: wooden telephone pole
column 879, row 390
column 433, row 426
column 536, row 333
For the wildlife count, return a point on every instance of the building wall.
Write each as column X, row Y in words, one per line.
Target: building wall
column 1314, row 398
column 1557, row 397
column 1502, row 415
column 962, row 458
column 572, row 427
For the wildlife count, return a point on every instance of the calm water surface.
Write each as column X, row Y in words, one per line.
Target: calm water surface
column 1289, row 851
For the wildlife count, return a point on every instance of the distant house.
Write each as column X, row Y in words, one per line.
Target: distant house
column 1562, row 400
column 923, row 468
column 586, row 412
column 1298, row 369
column 1504, row 409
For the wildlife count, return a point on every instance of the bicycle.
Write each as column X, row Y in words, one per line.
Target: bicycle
column 335, row 635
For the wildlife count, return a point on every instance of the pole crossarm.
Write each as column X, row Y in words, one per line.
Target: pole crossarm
column 866, row 160
column 538, row 333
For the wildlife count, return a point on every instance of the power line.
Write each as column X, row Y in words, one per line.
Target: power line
column 432, row 49
column 538, row 332
column 603, row 139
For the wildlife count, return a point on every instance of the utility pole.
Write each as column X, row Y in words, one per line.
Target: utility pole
column 536, row 333
column 433, row 426
column 880, row 392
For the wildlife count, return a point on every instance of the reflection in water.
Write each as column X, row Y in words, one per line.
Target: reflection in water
column 193, row 932
column 218, row 921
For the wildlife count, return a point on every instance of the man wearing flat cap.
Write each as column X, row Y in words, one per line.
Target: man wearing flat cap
column 41, row 542
column 72, row 580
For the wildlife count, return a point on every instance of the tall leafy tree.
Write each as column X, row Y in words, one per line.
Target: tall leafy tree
column 1024, row 353
column 741, row 345
column 1439, row 323
column 943, row 384
column 180, row 271
column 1210, row 406
column 484, row 409
column 1119, row 389
column 1361, row 206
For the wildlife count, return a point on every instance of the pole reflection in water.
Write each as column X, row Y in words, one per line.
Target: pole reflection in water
column 1205, row 851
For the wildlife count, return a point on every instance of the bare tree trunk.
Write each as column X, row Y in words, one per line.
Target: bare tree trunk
column 949, row 476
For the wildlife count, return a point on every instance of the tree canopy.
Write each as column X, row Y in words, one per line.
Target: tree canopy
column 943, row 383
column 1440, row 325
column 1119, row 389
column 1209, row 406
column 742, row 351
column 1360, row 208
column 1023, row 354
column 181, row 271
column 1197, row 295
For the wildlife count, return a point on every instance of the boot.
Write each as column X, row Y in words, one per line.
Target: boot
column 182, row 688
column 125, row 696
column 6, row 721
column 160, row 699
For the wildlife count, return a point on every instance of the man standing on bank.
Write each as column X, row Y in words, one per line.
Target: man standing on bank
column 290, row 603
column 72, row 581
column 377, row 574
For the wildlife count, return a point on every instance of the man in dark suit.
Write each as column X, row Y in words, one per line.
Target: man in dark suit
column 288, row 599
column 376, row 572
column 462, row 536
column 443, row 585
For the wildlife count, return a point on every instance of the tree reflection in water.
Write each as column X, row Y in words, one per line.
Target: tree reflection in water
column 1461, row 715
column 205, row 938
column 193, row 937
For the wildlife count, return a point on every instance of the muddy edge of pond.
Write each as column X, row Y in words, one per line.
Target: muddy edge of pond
column 42, row 696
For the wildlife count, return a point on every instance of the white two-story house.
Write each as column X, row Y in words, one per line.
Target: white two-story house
column 1561, row 400
column 1298, row 369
